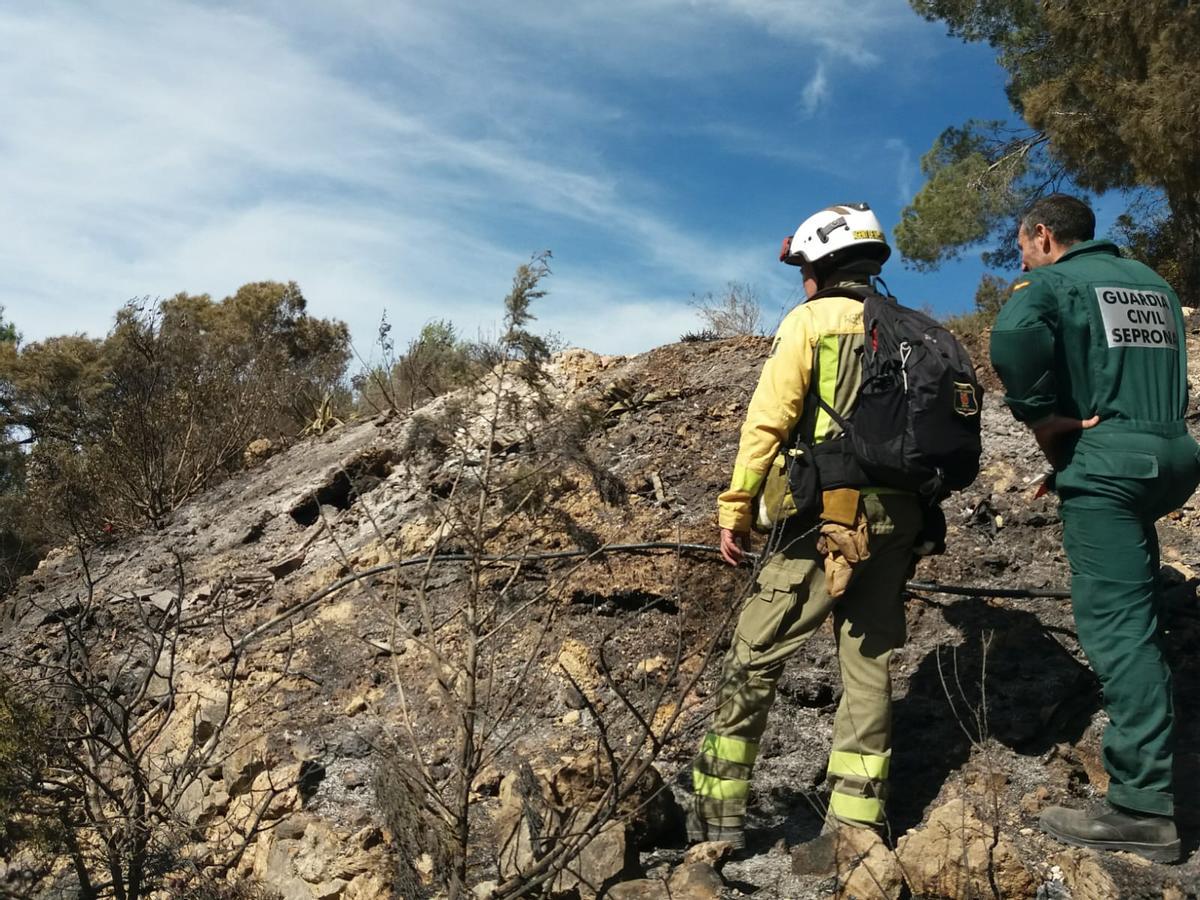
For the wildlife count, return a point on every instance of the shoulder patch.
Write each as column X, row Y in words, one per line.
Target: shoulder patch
column 1020, row 284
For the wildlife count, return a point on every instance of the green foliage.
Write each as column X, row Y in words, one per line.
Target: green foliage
column 122, row 430
column 24, row 729
column 990, row 295
column 518, row 343
column 994, row 21
column 51, row 388
column 18, row 549
column 438, row 361
column 978, row 178
column 8, row 331
column 1107, row 90
column 1154, row 238
column 435, row 362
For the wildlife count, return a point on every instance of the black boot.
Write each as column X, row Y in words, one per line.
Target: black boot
column 700, row 831
column 1153, row 837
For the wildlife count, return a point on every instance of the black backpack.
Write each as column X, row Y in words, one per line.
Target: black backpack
column 916, row 422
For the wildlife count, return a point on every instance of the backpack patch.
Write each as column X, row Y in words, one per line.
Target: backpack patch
column 965, row 401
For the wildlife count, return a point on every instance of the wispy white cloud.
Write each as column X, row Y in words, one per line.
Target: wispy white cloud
column 815, row 93
column 401, row 155
column 850, row 29
column 906, row 169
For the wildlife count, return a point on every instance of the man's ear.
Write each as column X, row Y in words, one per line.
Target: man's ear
column 1044, row 236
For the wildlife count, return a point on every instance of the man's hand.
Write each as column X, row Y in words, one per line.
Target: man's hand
column 733, row 546
column 1050, row 432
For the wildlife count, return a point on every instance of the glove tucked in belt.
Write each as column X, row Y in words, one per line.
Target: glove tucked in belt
column 843, row 543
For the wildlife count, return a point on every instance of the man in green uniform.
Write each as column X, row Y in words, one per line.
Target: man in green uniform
column 815, row 357
column 1090, row 347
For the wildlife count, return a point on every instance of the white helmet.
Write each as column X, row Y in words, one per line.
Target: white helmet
column 837, row 234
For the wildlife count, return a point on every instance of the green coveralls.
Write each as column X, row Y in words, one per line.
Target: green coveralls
column 1096, row 334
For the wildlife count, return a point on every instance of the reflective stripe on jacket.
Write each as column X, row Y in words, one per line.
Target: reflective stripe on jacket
column 817, row 352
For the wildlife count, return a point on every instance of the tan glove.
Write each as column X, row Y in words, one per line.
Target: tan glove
column 843, row 548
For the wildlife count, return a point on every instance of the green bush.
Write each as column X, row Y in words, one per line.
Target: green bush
column 989, row 298
column 24, row 729
column 123, row 430
column 436, row 361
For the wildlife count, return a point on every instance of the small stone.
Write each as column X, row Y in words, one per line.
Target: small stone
column 485, row 890
column 711, row 853
column 955, row 854
column 571, row 697
column 815, row 857
column 369, row 837
column 1033, row 802
column 1133, row 859
column 650, row 666
column 356, row 705
column 571, row 718
column 423, row 865
column 284, row 567
column 257, row 451
column 695, row 881
column 487, row 781
column 1084, row 875
column 640, row 889
column 329, row 890
column 163, row 601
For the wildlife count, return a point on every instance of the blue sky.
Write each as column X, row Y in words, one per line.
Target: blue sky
column 408, row 156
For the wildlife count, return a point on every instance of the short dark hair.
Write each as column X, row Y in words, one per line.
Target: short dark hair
column 1068, row 218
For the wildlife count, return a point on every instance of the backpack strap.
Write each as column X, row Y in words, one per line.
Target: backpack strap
column 860, row 292
column 853, row 291
column 843, row 423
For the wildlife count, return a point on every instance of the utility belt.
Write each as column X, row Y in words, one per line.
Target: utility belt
column 807, row 483
column 820, row 489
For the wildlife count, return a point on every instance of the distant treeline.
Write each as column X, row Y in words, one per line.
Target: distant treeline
column 101, row 436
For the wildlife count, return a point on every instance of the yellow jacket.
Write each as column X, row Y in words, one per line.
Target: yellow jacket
column 817, row 351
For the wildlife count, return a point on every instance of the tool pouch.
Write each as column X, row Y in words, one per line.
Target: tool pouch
column 843, row 547
column 843, row 539
column 804, row 483
column 791, row 490
column 773, row 503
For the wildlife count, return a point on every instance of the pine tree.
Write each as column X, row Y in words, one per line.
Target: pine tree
column 1106, row 90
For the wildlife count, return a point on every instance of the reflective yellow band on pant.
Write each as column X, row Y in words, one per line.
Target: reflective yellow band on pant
column 719, row 788
column 730, row 748
column 858, row 765
column 859, row 809
column 745, row 481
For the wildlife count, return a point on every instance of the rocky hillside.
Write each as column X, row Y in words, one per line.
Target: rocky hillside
column 316, row 680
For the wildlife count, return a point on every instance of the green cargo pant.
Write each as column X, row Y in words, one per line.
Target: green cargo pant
column 1121, row 479
column 788, row 605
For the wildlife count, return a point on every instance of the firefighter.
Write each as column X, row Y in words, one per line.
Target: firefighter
column 1090, row 347
column 816, row 353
